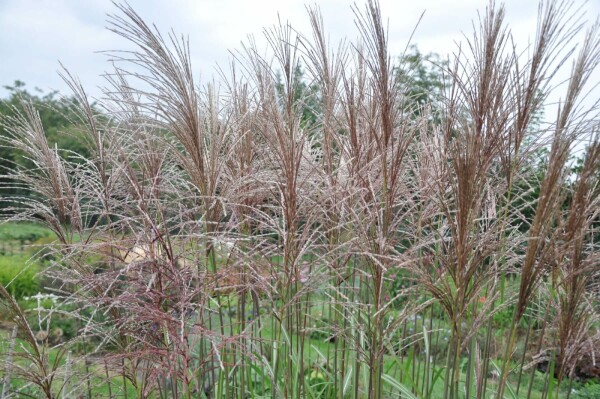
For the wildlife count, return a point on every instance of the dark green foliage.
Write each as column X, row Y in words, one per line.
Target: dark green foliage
column 420, row 74
column 306, row 98
column 61, row 325
column 591, row 390
column 503, row 318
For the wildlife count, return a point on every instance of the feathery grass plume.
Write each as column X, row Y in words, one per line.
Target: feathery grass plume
column 570, row 126
column 53, row 196
column 31, row 361
column 290, row 213
column 576, row 266
column 463, row 152
column 380, row 133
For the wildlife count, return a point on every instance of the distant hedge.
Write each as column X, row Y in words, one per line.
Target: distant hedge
column 22, row 232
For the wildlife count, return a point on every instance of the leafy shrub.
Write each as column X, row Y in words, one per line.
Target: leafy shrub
column 319, row 382
column 18, row 276
column 590, row 390
column 503, row 318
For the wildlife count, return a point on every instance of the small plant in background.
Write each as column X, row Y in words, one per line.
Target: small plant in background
column 19, row 276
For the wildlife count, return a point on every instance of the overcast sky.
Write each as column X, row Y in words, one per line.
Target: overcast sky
column 36, row 34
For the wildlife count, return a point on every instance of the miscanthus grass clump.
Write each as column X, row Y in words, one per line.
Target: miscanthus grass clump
column 315, row 225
